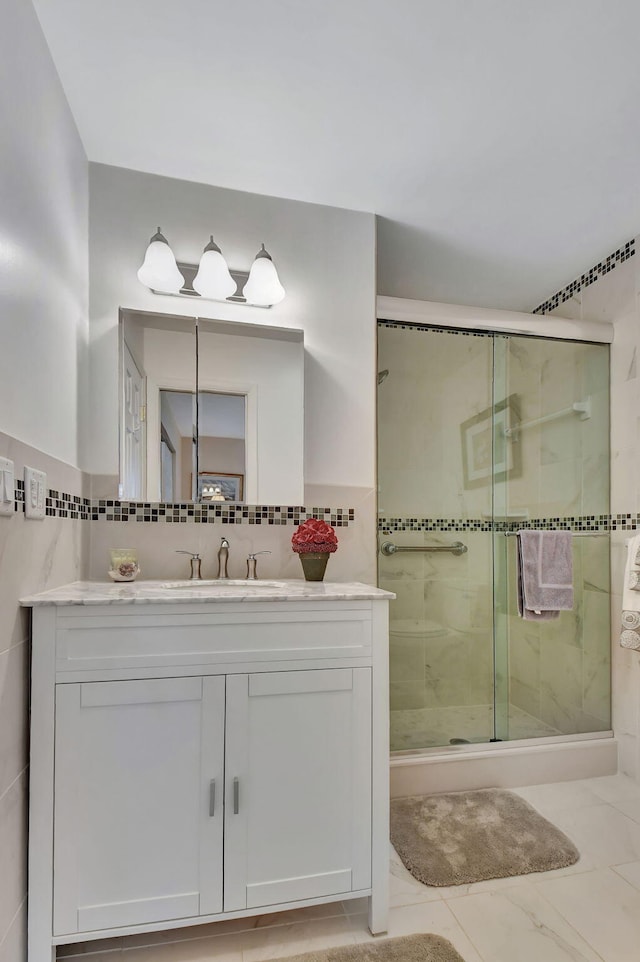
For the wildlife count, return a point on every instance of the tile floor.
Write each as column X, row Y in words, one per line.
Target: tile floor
column 589, row 912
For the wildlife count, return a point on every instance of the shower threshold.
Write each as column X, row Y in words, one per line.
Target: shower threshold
column 488, row 745
column 527, row 761
column 455, row 726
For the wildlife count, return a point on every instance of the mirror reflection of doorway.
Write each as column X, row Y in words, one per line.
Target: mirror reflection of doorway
column 218, row 471
column 133, row 436
column 167, row 468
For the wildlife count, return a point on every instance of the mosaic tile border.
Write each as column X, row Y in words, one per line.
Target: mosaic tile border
column 599, row 270
column 62, row 505
column 216, row 513
column 392, row 525
column 584, row 524
column 625, row 522
column 404, row 326
column 73, row 507
column 596, row 523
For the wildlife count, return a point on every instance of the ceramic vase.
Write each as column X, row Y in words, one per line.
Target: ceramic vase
column 314, row 564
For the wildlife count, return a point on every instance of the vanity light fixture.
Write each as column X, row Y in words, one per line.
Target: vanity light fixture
column 212, row 492
column 159, row 270
column 212, row 279
column 263, row 286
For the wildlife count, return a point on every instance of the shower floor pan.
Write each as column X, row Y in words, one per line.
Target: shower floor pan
column 420, row 728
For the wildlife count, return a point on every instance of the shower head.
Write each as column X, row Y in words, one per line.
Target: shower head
column 382, row 375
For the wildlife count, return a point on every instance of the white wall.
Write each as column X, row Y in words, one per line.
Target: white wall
column 43, row 245
column 326, row 260
column 43, row 340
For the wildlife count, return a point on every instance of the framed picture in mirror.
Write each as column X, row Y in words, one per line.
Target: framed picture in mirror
column 217, row 486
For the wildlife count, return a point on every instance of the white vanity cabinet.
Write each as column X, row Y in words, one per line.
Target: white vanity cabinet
column 193, row 762
column 137, row 837
column 298, row 786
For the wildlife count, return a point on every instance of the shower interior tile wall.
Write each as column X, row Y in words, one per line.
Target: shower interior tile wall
column 453, row 597
column 559, row 671
column 433, row 387
column 565, row 468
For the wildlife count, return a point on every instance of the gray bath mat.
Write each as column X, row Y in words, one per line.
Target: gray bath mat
column 408, row 948
column 464, row 837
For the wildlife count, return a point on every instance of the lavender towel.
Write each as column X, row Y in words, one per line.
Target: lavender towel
column 545, row 574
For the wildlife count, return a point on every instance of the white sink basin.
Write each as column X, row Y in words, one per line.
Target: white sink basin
column 217, row 583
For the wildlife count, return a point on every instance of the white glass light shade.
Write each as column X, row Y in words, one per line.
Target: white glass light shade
column 263, row 287
column 213, row 278
column 159, row 271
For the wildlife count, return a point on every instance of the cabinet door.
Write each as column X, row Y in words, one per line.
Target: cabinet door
column 138, row 802
column 298, row 786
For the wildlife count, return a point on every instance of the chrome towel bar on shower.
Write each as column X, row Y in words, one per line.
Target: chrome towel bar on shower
column 456, row 547
column 574, row 534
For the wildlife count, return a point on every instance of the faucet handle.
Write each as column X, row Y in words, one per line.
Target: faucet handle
column 195, row 564
column 252, row 574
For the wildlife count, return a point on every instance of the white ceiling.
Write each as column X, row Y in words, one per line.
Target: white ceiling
column 497, row 139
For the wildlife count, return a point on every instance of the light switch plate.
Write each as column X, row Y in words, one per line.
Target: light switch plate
column 35, row 493
column 7, row 488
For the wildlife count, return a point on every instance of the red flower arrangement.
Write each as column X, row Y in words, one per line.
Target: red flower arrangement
column 313, row 535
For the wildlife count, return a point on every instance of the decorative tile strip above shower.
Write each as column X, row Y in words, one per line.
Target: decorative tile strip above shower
column 429, row 328
column 71, row 506
column 599, row 270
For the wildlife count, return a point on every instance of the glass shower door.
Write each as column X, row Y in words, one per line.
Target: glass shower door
column 553, row 677
column 479, row 435
column 435, row 476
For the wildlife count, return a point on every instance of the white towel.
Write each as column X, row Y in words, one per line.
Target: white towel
column 630, row 634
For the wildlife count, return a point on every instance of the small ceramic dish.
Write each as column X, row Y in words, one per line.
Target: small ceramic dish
column 126, row 572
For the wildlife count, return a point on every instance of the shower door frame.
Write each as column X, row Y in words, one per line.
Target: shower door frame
column 497, row 325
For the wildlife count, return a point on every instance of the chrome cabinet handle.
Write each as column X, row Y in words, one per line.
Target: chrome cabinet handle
column 212, row 797
column 236, row 796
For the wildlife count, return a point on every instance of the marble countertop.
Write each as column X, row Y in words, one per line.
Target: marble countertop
column 158, row 592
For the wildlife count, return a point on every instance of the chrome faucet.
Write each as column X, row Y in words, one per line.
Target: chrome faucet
column 195, row 565
column 252, row 574
column 223, row 558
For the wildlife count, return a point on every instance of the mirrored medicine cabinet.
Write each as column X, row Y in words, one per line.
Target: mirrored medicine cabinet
column 210, row 410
